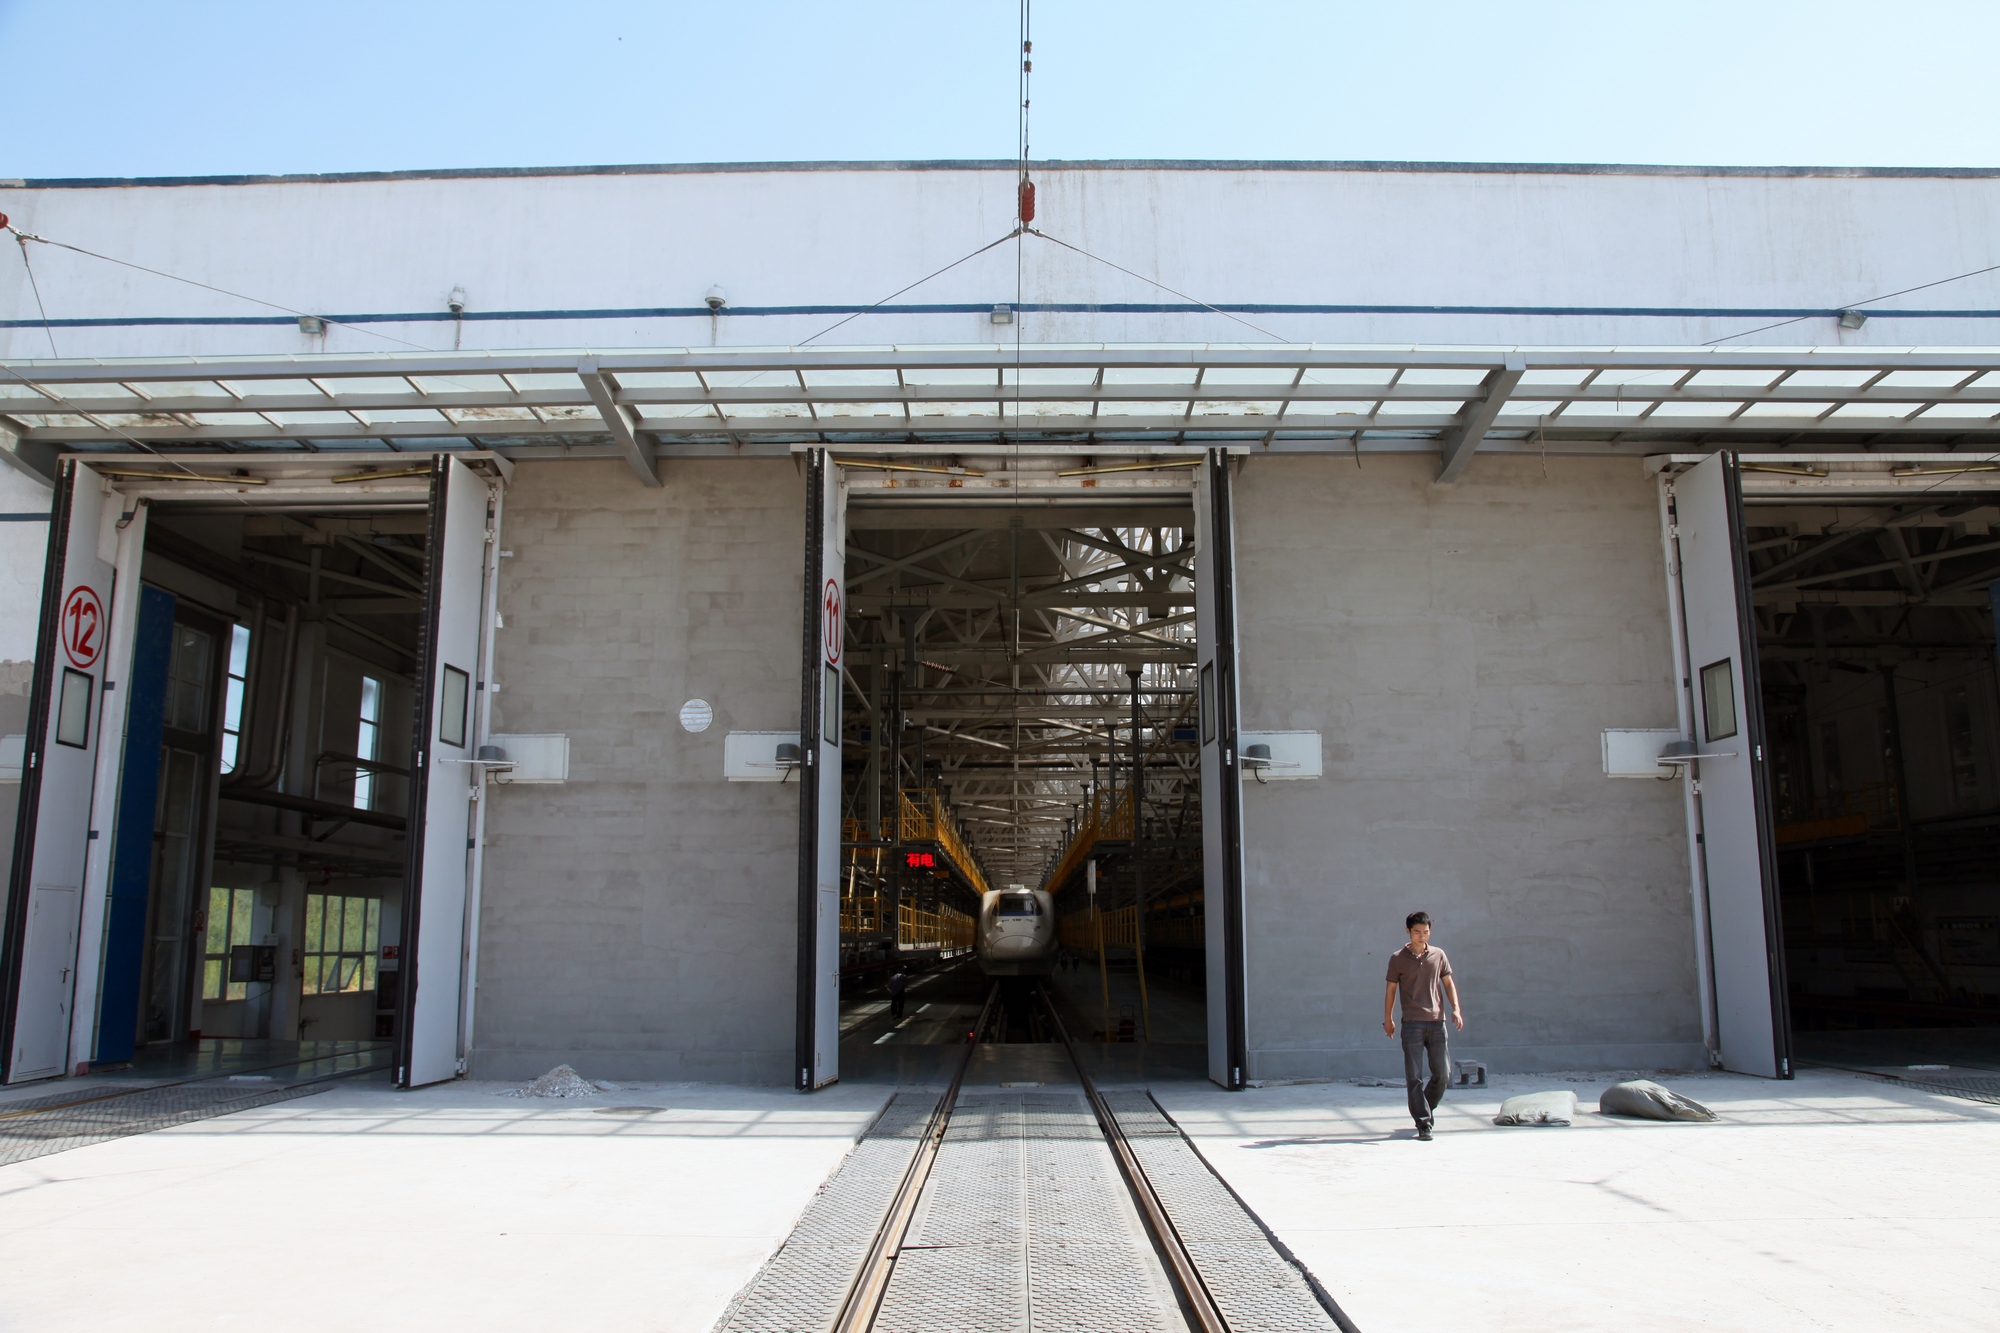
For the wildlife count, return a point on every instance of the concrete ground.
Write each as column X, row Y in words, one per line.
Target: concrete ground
column 445, row 1208
column 1830, row 1203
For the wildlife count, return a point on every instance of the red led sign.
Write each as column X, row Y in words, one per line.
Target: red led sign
column 920, row 860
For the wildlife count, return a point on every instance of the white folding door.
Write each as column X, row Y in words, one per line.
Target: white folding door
column 1221, row 786
column 1738, row 865
column 446, row 778
column 817, row 1061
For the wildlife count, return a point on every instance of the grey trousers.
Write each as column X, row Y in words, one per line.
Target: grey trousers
column 1421, row 1039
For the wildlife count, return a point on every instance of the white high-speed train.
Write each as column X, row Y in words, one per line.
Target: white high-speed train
column 1017, row 932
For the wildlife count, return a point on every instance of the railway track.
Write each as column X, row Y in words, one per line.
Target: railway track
column 864, row 1302
column 1045, row 1206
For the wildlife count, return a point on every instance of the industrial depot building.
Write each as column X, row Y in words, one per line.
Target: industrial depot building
column 584, row 621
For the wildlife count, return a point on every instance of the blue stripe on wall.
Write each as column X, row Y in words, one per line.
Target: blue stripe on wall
column 24, row 518
column 980, row 308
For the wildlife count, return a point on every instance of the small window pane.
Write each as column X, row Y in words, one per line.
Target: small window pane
column 211, row 980
column 239, row 915
column 829, row 726
column 1718, row 700
column 315, row 914
column 218, row 921
column 1207, row 702
column 453, row 693
column 368, row 972
column 374, row 924
column 357, row 923
column 73, row 709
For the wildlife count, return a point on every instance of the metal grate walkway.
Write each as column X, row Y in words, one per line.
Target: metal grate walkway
column 44, row 1125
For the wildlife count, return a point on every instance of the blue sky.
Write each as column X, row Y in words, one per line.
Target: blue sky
column 132, row 89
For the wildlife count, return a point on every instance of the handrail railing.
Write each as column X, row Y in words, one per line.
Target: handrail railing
column 1108, row 818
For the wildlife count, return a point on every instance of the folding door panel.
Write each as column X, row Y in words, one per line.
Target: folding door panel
column 1221, row 789
column 444, row 787
column 1739, row 864
column 817, row 1061
column 55, row 832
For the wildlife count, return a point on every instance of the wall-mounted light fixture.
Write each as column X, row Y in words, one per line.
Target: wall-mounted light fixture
column 312, row 324
column 1003, row 314
column 1852, row 319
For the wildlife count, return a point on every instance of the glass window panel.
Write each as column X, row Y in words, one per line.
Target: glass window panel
column 237, row 990
column 371, row 701
column 454, row 695
column 311, row 983
column 351, row 939
column 1718, row 700
column 239, row 915
column 315, row 915
column 211, row 980
column 374, row 925
column 368, row 973
column 239, row 650
column 229, row 752
column 73, row 709
column 218, row 921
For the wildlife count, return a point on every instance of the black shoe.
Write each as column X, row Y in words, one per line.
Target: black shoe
column 1423, row 1134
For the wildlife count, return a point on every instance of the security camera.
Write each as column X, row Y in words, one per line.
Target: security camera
column 456, row 301
column 716, row 298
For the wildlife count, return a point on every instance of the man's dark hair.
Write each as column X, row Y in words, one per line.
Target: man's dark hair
column 1415, row 919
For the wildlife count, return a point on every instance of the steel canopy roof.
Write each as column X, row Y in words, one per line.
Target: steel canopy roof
column 894, row 398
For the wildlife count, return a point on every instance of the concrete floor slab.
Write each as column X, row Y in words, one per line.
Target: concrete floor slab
column 444, row 1208
column 1830, row 1202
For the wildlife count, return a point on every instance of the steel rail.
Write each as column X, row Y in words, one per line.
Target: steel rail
column 1180, row 1265
column 864, row 1297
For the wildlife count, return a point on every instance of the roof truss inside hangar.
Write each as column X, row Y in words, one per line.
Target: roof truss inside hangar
column 1104, row 399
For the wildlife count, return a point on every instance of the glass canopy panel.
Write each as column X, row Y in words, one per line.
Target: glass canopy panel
column 1470, row 377
column 1553, row 378
column 1063, row 375
column 12, row 391
column 1830, row 379
column 537, row 383
column 668, row 411
column 1238, row 407
column 390, row 415
column 765, row 411
column 376, row 385
column 1685, row 409
column 1876, row 411
column 270, row 388
column 245, row 420
column 1260, row 375
column 1963, row 411
column 680, row 379
column 850, row 379
column 572, row 413
column 1115, row 408
column 969, row 377
column 1052, row 409
column 1792, row 410
column 1148, row 375
column 203, row 389
column 1734, row 379
column 313, row 418
column 1528, row 407
column 1418, row 408
column 936, row 410
column 1340, row 376
column 859, row 409
column 472, row 414
column 1922, row 379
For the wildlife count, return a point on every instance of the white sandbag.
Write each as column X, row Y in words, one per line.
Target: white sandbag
column 1538, row 1108
column 1647, row 1100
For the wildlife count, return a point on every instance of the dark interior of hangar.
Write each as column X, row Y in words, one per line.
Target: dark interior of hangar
column 257, row 868
column 1876, row 651
column 1020, row 711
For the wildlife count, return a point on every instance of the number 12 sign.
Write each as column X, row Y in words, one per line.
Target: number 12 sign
column 82, row 628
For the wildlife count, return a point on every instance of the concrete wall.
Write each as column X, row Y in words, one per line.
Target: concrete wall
column 1328, row 252
column 639, row 922
column 1461, row 648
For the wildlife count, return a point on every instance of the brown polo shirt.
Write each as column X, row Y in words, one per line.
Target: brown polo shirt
column 1421, row 981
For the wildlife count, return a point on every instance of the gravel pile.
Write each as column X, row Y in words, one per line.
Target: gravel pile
column 562, row 1081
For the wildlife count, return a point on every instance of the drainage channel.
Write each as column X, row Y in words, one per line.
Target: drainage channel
column 1029, row 1212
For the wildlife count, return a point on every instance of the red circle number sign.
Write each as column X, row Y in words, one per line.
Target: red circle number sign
column 829, row 621
column 83, row 626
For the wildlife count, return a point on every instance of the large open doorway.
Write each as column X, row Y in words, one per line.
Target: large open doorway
column 1035, row 706
column 247, row 821
column 1853, row 883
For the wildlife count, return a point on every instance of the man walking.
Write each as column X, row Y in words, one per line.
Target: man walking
column 899, row 981
column 1422, row 975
